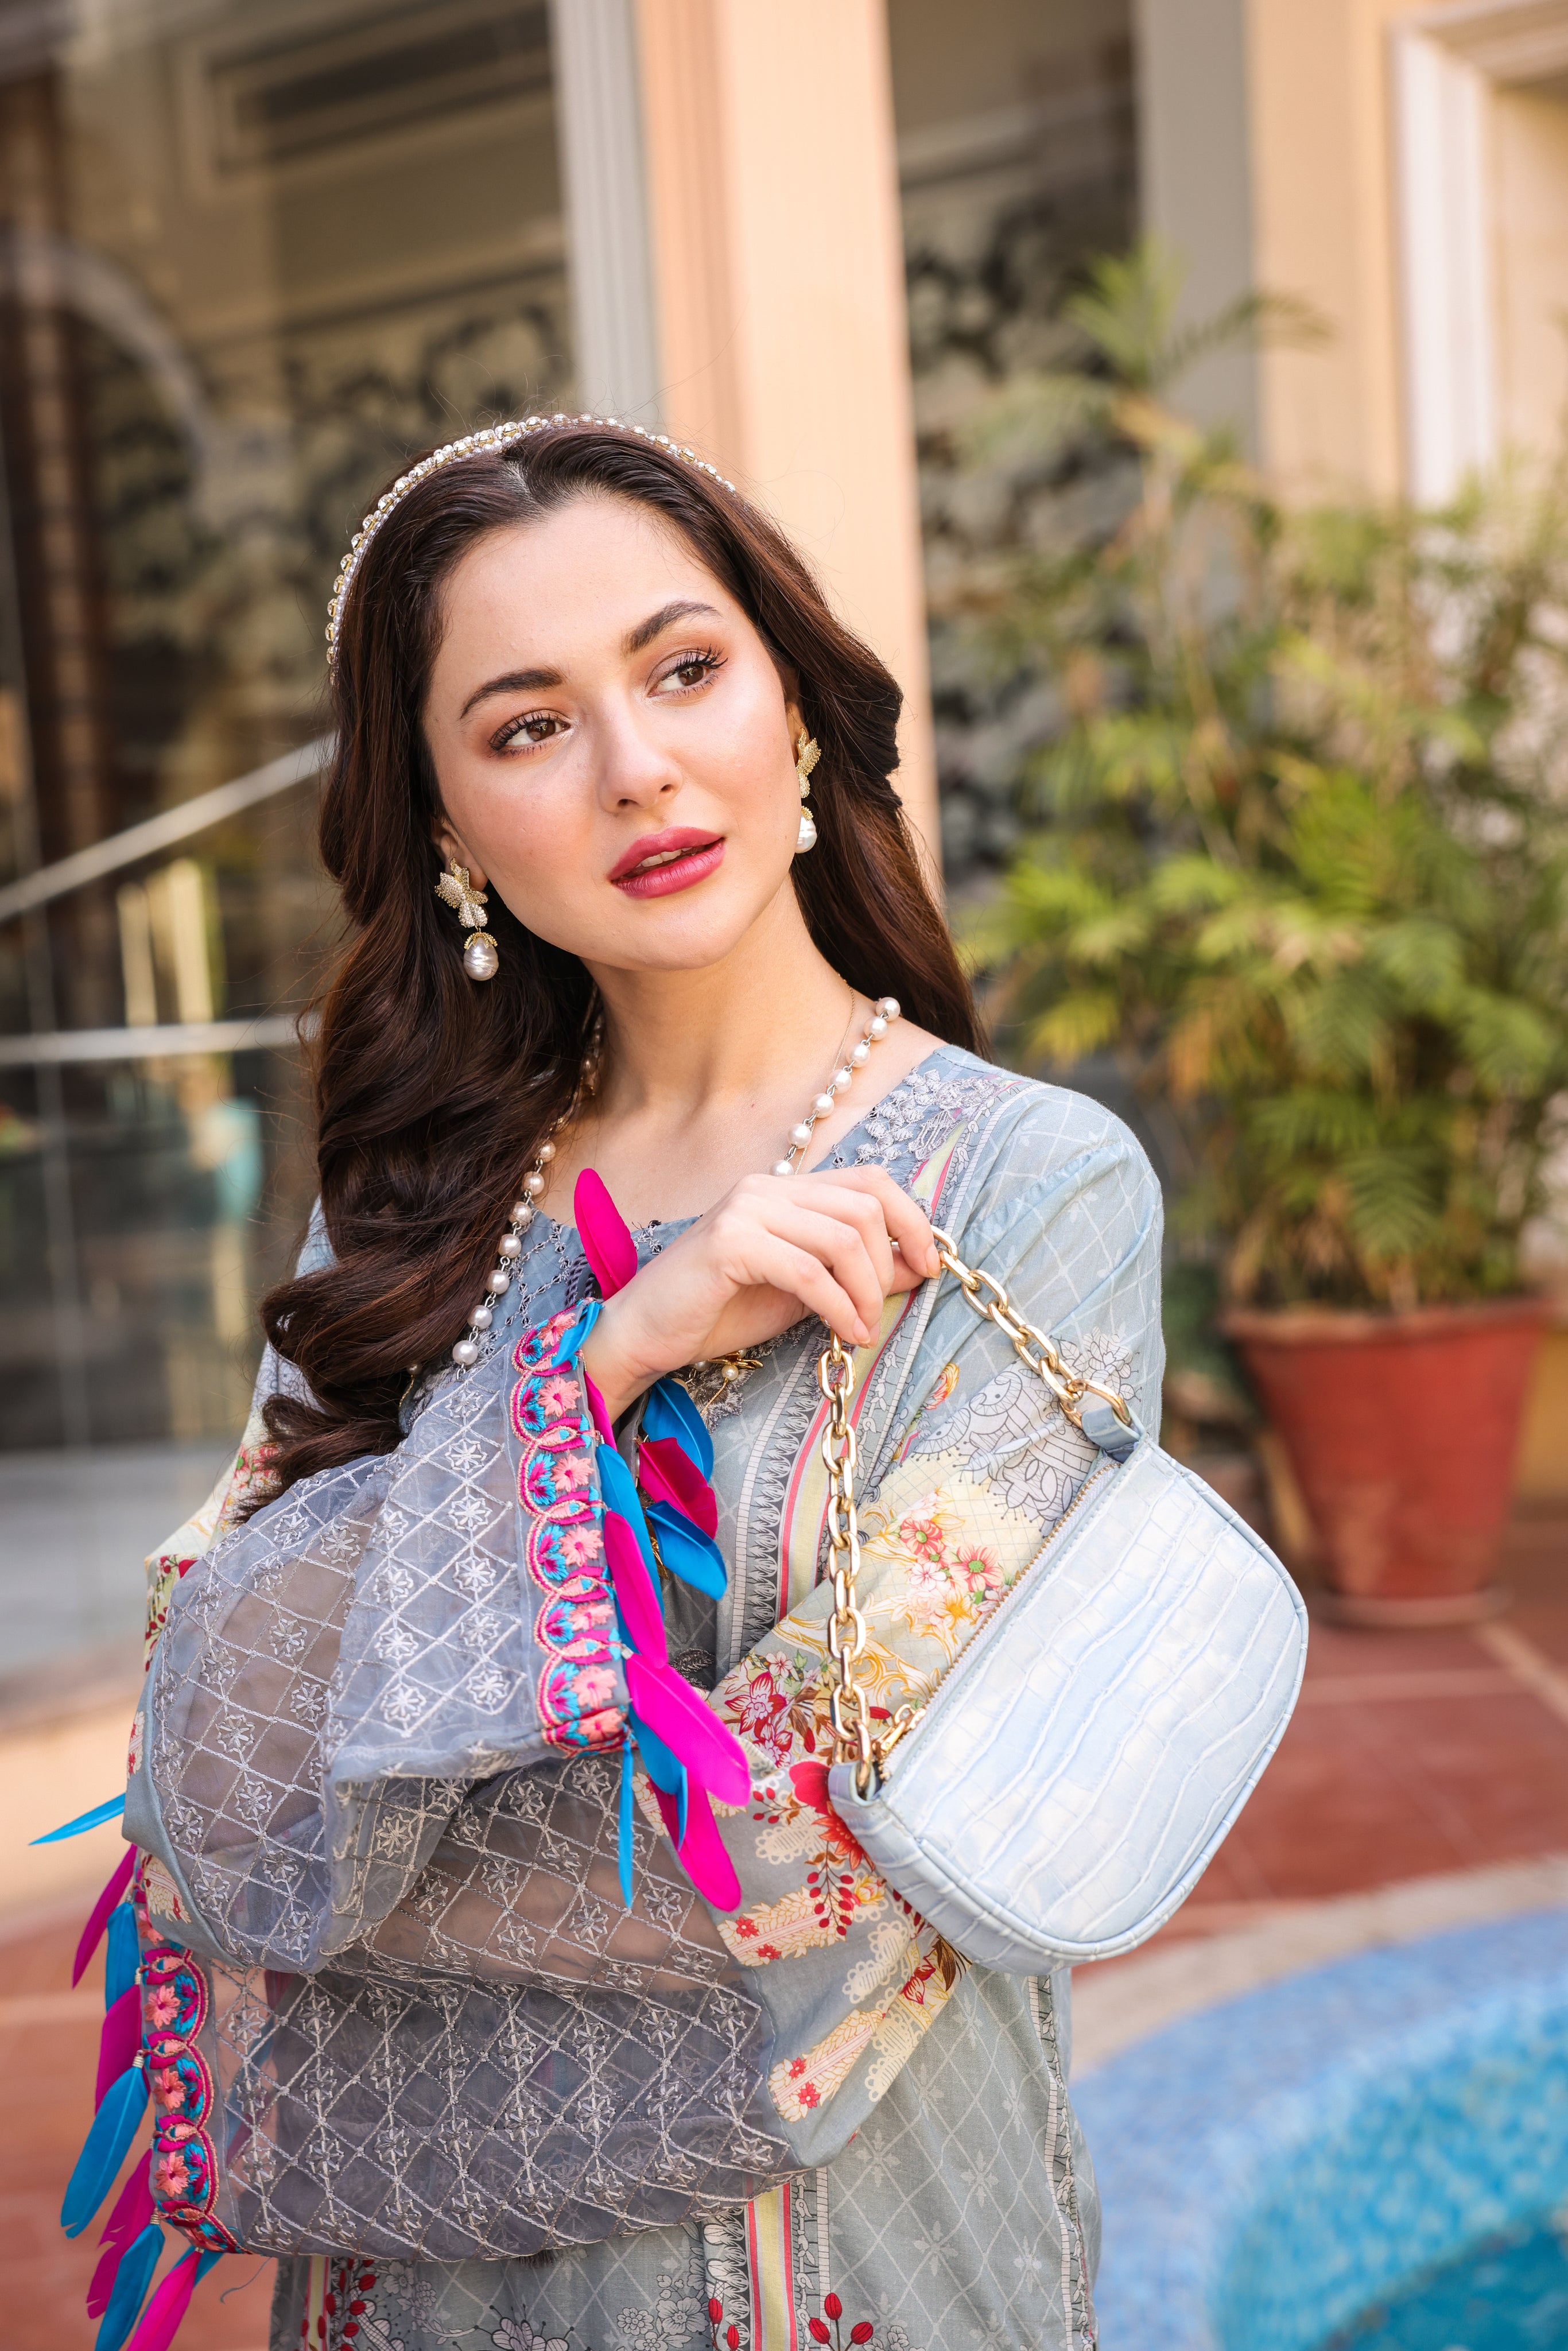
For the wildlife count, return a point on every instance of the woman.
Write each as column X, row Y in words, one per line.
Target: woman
column 581, row 689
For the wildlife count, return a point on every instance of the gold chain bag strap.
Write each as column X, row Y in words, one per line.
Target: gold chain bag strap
column 853, row 1739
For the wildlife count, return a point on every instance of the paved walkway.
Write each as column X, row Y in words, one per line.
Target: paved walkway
column 1423, row 1781
column 122, row 1498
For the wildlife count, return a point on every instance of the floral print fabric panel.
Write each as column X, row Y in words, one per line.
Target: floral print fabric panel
column 985, row 1467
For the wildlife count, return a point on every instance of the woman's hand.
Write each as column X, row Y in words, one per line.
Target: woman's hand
column 775, row 1248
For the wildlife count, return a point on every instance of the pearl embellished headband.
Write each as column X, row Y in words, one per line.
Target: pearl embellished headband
column 494, row 439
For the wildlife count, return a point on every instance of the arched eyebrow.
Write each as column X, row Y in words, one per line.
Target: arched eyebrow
column 517, row 681
column 540, row 681
column 684, row 609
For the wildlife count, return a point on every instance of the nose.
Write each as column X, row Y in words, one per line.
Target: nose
column 634, row 770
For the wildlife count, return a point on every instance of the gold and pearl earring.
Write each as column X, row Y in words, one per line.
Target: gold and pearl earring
column 481, row 956
column 806, row 754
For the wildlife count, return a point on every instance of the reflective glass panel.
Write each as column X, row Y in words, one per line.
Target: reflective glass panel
column 251, row 256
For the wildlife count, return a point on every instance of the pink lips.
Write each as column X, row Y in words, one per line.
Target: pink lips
column 688, row 857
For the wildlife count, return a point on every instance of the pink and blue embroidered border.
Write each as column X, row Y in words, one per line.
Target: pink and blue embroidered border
column 565, row 1545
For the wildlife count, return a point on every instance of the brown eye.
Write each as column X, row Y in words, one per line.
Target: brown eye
column 688, row 670
column 535, row 726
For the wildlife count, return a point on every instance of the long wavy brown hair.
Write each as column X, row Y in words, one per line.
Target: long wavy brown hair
column 432, row 1094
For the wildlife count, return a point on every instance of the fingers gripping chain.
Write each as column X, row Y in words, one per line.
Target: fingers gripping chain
column 849, row 1704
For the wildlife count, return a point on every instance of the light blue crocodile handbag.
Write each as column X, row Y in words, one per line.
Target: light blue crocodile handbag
column 1078, row 1765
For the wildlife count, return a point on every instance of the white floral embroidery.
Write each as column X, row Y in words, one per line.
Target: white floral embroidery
column 252, row 1800
column 470, row 1512
column 287, row 1637
column 482, row 1629
column 308, row 1701
column 490, row 1687
column 474, row 1572
column 340, row 1543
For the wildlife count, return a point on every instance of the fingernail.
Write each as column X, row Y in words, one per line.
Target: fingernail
column 862, row 1334
column 933, row 1260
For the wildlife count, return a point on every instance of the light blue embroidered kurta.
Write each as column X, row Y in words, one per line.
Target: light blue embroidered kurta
column 962, row 2212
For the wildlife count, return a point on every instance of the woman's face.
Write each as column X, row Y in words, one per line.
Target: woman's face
column 612, row 739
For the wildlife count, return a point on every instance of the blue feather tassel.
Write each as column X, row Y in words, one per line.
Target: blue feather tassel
column 619, row 1489
column 85, row 1821
column 668, row 1411
column 663, row 1767
column 623, row 1851
column 132, row 2280
column 571, row 1346
column 687, row 1552
column 114, row 2127
column 123, row 1954
column 207, row 2262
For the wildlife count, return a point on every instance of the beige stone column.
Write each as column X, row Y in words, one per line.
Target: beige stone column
column 1266, row 135
column 778, row 276
column 1324, row 172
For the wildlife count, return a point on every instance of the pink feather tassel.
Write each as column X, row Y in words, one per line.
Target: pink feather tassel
column 603, row 1232
column 597, row 1407
column 672, row 1708
column 634, row 1589
column 667, row 1476
column 704, row 1856
column 118, row 2043
column 98, row 1918
column 162, row 2318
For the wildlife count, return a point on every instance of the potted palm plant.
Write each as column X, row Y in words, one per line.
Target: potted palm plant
column 1301, row 864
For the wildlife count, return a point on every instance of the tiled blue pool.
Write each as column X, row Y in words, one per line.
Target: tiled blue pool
column 1501, row 2298
column 1273, row 2169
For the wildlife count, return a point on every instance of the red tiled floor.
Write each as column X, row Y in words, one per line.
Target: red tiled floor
column 1539, row 1574
column 1410, row 1754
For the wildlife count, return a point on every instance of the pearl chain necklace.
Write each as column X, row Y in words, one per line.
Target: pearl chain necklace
column 883, row 1017
column 468, row 1350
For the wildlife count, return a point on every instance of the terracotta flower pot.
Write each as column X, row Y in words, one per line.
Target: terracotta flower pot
column 1401, row 1430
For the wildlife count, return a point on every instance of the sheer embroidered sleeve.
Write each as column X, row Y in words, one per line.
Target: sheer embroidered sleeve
column 337, row 1672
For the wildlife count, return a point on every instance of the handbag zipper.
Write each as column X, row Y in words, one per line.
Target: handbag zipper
column 908, row 1717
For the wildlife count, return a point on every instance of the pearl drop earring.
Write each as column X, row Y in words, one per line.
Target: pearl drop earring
column 481, row 956
column 806, row 754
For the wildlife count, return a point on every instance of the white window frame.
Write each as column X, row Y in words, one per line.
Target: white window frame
column 1444, row 64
